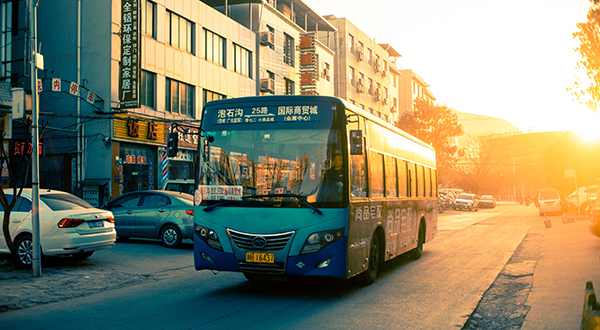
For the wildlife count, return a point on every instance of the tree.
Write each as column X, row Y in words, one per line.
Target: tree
column 588, row 35
column 14, row 174
column 483, row 153
column 436, row 125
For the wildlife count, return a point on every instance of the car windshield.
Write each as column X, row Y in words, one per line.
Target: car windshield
column 468, row 197
column 487, row 197
column 61, row 202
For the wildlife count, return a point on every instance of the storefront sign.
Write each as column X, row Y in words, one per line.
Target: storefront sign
column 22, row 148
column 136, row 128
column 188, row 140
column 130, row 55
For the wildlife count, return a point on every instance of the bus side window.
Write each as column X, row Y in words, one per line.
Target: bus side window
column 412, row 177
column 391, row 178
column 376, row 171
column 403, row 182
column 358, row 176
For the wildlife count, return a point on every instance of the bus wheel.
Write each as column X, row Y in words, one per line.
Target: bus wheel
column 369, row 276
column 416, row 253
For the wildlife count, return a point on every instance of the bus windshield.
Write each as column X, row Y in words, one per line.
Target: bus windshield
column 272, row 159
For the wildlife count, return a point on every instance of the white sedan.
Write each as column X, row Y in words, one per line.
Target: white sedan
column 68, row 226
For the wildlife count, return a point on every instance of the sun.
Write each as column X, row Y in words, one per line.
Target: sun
column 588, row 127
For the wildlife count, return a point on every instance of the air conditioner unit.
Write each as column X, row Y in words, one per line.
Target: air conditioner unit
column 376, row 66
column 377, row 94
column 384, row 73
column 385, row 100
column 267, row 38
column 361, row 82
column 267, row 85
column 326, row 72
column 360, row 88
column 360, row 55
column 393, row 109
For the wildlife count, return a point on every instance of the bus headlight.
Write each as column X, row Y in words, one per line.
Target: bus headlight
column 317, row 241
column 209, row 237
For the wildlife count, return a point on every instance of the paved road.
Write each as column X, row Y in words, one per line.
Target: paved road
column 439, row 291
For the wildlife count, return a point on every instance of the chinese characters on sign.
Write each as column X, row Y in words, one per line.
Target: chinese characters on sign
column 130, row 54
column 295, row 113
column 22, row 148
column 232, row 193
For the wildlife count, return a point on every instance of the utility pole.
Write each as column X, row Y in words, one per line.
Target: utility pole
column 36, row 266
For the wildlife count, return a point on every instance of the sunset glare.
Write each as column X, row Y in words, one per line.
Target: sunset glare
column 509, row 59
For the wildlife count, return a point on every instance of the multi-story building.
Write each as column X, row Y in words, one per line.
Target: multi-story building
column 411, row 87
column 121, row 74
column 361, row 67
column 290, row 60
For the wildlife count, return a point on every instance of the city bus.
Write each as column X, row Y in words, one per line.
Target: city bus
column 300, row 185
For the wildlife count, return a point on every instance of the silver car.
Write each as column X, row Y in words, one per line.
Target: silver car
column 466, row 202
column 164, row 215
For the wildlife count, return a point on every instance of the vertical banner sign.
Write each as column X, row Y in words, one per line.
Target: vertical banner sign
column 130, row 54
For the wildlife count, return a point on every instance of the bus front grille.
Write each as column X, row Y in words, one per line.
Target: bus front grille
column 249, row 267
column 274, row 242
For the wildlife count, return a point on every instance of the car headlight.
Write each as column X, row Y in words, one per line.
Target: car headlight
column 209, row 237
column 317, row 241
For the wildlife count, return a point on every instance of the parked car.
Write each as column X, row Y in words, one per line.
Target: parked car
column 164, row 215
column 467, row 202
column 68, row 226
column 179, row 185
column 551, row 201
column 581, row 197
column 487, row 201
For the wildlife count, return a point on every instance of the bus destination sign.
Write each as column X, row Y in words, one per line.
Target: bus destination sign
column 291, row 113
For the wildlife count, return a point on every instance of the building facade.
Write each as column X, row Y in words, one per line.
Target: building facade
column 362, row 73
column 411, row 87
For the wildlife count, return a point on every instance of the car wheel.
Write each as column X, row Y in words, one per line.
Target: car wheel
column 170, row 236
column 24, row 246
column 83, row 255
column 369, row 276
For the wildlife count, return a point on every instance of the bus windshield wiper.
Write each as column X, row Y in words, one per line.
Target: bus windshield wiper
column 301, row 198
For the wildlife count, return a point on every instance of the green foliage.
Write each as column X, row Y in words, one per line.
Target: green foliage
column 571, row 152
column 588, row 35
column 438, row 126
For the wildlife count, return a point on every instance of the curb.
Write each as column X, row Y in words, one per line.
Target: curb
column 591, row 309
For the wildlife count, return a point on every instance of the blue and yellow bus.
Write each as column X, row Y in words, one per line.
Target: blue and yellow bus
column 308, row 186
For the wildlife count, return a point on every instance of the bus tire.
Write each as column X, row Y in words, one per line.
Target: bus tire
column 417, row 252
column 369, row 275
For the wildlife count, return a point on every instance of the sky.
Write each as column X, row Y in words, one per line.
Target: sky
column 510, row 59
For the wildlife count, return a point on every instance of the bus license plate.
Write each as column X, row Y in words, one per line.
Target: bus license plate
column 267, row 258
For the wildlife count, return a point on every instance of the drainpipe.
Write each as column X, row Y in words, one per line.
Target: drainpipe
column 79, row 126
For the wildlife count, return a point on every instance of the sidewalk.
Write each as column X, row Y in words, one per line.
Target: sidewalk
column 568, row 258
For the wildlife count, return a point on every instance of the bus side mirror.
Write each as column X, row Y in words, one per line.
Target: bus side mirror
column 356, row 142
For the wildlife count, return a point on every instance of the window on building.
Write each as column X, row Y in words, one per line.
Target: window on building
column 211, row 96
column 371, row 110
column 395, row 81
column 370, row 86
column 350, row 43
column 272, row 30
column 214, row 48
column 148, row 16
column 289, row 86
column 326, row 71
column 148, row 89
column 243, row 61
column 289, row 47
column 179, row 98
column 369, row 55
column 180, row 32
column 362, row 106
column 385, row 93
column 351, row 77
column 6, row 8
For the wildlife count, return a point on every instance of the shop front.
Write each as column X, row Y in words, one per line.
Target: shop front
column 180, row 167
column 136, row 146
